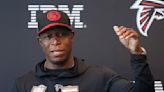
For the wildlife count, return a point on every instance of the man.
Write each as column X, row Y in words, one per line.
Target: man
column 62, row 72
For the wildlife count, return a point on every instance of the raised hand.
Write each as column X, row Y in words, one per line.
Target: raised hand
column 129, row 38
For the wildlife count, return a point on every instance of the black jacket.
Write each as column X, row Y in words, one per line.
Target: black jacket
column 86, row 78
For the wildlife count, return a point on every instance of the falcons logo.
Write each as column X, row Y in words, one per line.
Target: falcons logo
column 148, row 11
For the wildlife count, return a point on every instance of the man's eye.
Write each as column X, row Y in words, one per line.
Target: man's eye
column 47, row 37
column 62, row 34
column 57, row 34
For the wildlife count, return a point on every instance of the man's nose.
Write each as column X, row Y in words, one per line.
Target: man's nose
column 55, row 40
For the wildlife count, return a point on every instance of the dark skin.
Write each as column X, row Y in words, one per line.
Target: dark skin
column 56, row 43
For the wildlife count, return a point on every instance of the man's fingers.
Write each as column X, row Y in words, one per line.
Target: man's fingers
column 127, row 33
column 124, row 32
column 115, row 28
column 129, row 36
column 119, row 30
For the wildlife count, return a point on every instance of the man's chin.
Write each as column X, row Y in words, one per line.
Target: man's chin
column 58, row 61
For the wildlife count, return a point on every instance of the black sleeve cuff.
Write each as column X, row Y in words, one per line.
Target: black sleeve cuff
column 138, row 58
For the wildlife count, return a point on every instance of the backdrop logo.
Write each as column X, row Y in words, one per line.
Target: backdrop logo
column 74, row 14
column 148, row 11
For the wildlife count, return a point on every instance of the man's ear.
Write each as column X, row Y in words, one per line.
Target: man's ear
column 38, row 40
column 72, row 35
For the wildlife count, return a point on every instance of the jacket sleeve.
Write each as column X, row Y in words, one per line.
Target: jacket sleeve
column 144, row 81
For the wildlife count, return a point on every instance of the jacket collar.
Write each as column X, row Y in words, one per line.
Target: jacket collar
column 79, row 68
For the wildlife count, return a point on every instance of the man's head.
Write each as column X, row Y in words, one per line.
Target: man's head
column 55, row 36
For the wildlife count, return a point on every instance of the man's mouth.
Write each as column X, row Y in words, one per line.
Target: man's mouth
column 57, row 52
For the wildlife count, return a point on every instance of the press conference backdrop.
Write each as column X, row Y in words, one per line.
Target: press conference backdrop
column 95, row 40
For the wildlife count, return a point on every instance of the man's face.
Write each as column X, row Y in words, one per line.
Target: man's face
column 56, row 43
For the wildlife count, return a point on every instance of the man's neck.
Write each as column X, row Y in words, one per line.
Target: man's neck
column 68, row 64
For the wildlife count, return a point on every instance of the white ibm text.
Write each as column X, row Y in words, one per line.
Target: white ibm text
column 74, row 14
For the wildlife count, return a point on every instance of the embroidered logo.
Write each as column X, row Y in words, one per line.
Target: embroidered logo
column 53, row 15
column 69, row 88
column 40, row 88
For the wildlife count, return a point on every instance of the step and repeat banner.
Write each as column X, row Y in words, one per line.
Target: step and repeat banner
column 95, row 39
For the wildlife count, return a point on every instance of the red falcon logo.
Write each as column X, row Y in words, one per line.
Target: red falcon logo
column 148, row 10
